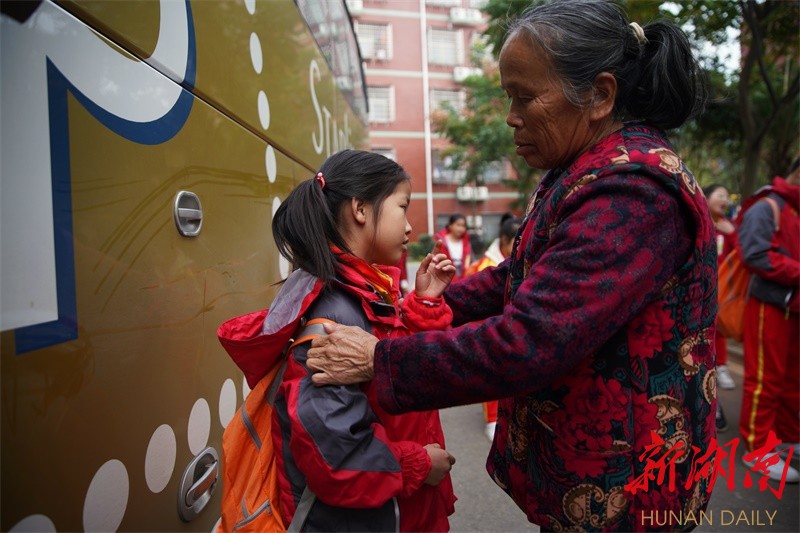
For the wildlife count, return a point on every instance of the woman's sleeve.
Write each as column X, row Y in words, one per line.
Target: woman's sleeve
column 479, row 295
column 618, row 241
column 343, row 450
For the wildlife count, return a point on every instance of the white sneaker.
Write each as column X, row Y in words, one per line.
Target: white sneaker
column 724, row 379
column 776, row 471
column 489, row 431
column 783, row 449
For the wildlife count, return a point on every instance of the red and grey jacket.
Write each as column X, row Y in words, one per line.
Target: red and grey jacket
column 367, row 467
column 772, row 253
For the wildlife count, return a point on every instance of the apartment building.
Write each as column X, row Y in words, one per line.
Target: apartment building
column 416, row 54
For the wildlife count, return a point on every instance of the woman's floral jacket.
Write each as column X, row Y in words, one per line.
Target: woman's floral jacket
column 598, row 331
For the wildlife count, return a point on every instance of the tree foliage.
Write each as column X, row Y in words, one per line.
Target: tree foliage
column 752, row 117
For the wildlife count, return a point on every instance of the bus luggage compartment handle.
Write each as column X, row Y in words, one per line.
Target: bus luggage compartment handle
column 198, row 484
column 188, row 213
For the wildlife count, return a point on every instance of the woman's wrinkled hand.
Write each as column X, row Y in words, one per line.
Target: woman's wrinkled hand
column 442, row 462
column 434, row 274
column 342, row 357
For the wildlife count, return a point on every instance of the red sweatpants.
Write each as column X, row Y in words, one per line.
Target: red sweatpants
column 722, row 349
column 771, row 392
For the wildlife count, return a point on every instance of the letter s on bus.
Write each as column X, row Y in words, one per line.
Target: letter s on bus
column 313, row 72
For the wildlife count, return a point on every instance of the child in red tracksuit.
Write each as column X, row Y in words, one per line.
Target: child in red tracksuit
column 770, row 249
column 367, row 470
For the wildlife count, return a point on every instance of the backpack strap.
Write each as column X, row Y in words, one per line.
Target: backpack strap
column 776, row 211
column 306, row 332
column 301, row 512
column 309, row 330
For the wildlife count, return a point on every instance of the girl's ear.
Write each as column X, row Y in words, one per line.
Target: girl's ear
column 605, row 92
column 358, row 210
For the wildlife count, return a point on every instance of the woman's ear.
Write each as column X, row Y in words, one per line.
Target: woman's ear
column 605, row 95
column 358, row 210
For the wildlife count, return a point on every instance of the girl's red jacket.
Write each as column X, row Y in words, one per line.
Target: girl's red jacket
column 367, row 467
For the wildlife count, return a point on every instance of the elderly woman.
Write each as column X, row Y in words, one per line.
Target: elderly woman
column 597, row 334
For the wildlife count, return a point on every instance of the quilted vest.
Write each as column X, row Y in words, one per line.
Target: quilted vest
column 669, row 391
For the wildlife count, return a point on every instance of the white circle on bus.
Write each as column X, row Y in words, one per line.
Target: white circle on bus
column 227, row 402
column 263, row 109
column 159, row 462
column 199, row 426
column 107, row 498
column 35, row 523
column 250, row 5
column 255, row 53
column 271, row 164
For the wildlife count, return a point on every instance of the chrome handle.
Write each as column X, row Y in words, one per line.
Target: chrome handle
column 188, row 213
column 197, row 484
column 201, row 486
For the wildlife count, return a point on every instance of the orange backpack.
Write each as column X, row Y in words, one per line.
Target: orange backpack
column 250, row 493
column 733, row 286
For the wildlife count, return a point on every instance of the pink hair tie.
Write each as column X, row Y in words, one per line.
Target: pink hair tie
column 320, row 179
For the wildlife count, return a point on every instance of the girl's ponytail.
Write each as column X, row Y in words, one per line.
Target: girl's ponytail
column 303, row 226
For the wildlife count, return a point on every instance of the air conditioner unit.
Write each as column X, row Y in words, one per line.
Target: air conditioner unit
column 381, row 54
column 464, row 194
column 468, row 193
column 464, row 15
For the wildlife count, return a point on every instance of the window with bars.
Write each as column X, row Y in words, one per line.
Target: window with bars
column 445, row 47
column 453, row 97
column 375, row 40
column 381, row 104
column 442, row 171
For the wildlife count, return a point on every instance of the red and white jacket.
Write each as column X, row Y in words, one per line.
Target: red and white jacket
column 366, row 467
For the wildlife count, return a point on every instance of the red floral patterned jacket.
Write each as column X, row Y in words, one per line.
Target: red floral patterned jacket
column 598, row 330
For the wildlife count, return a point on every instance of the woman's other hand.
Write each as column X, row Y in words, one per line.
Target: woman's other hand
column 442, row 462
column 434, row 274
column 342, row 357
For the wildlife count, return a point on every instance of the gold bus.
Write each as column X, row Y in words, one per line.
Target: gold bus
column 145, row 147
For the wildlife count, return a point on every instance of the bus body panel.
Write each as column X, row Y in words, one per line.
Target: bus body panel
column 108, row 399
column 263, row 69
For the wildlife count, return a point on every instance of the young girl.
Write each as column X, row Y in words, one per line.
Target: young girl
column 456, row 245
column 369, row 470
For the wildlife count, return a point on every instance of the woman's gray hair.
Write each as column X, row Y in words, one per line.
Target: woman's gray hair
column 658, row 79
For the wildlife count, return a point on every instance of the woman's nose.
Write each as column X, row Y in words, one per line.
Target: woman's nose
column 513, row 119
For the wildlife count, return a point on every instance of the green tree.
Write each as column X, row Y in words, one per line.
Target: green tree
column 752, row 117
column 479, row 135
column 766, row 88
